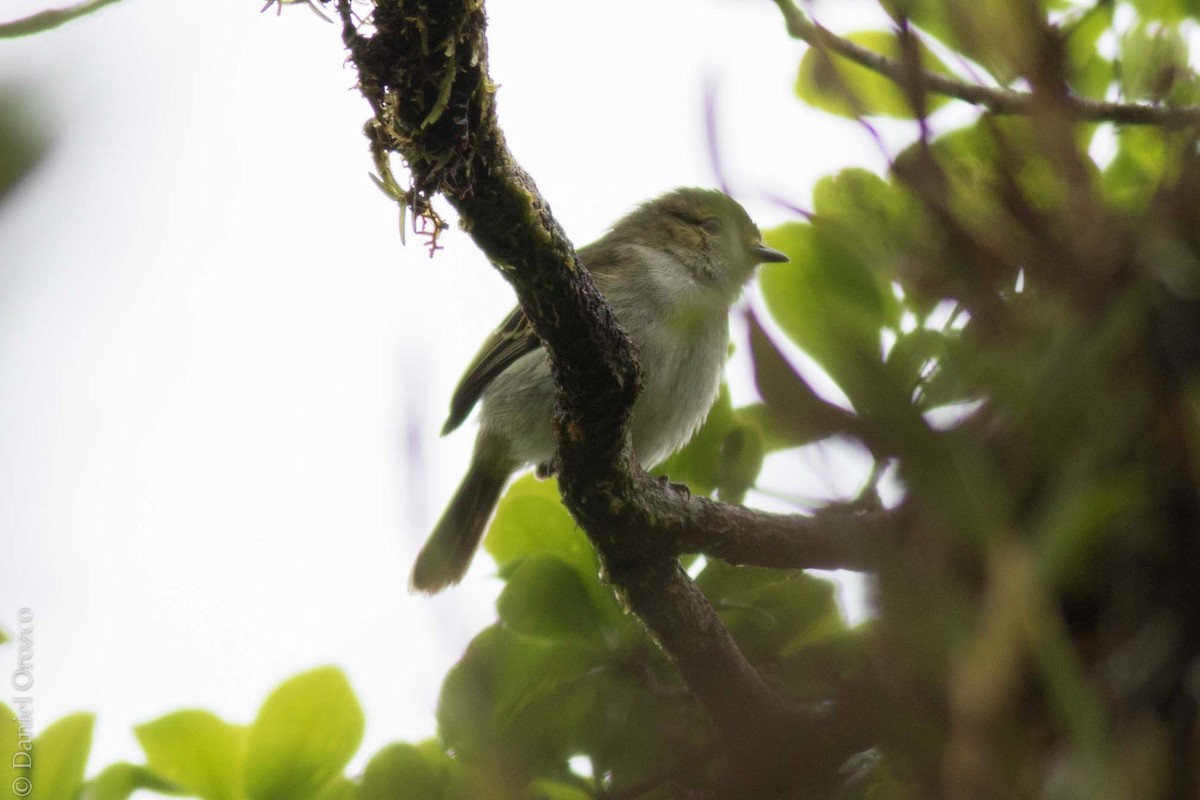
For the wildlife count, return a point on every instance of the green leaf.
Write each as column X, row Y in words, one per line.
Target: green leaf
column 775, row 429
column 860, row 220
column 196, row 750
column 119, row 781
column 401, row 770
column 1154, row 59
column 890, row 234
column 828, row 659
column 791, row 400
column 771, row 613
column 912, row 354
column 516, row 707
column 920, row 359
column 839, row 86
column 306, row 732
column 997, row 34
column 789, row 625
column 1169, row 11
column 530, row 520
column 60, row 757
column 854, row 196
column 342, row 788
column 422, row 771
column 1080, row 519
column 531, row 523
column 644, row 724
column 1147, row 159
column 934, row 362
column 831, row 304
column 545, row 597
column 1090, row 74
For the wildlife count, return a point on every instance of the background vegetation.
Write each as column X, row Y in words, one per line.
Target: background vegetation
column 1011, row 314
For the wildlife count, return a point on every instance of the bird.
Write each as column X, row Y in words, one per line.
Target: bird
column 670, row 270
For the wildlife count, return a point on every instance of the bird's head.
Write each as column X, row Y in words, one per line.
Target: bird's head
column 706, row 231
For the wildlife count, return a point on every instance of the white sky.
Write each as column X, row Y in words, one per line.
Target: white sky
column 222, row 376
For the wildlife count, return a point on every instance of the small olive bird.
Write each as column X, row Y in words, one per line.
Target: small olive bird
column 670, row 270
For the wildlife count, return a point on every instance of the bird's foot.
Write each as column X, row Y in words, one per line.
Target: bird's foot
column 682, row 488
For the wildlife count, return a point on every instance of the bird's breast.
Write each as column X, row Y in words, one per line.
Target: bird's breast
column 681, row 375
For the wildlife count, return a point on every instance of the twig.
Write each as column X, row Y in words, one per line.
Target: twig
column 50, row 18
column 995, row 100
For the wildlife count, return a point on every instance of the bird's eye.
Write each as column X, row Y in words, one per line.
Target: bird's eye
column 710, row 225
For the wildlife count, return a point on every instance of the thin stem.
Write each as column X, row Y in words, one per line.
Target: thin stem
column 50, row 18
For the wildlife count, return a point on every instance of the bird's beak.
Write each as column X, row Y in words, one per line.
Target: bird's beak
column 768, row 255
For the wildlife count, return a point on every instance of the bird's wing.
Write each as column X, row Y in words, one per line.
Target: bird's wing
column 513, row 339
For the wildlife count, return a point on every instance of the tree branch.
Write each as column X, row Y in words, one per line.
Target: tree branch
column 831, row 539
column 423, row 69
column 50, row 18
column 995, row 100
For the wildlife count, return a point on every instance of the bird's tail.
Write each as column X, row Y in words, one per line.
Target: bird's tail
column 448, row 551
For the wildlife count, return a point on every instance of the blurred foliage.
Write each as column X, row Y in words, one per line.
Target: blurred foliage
column 851, row 90
column 1012, row 314
column 22, row 142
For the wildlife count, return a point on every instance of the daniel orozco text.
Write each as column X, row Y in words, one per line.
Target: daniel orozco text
column 21, row 681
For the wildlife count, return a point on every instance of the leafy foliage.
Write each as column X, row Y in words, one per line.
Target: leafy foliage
column 304, row 735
